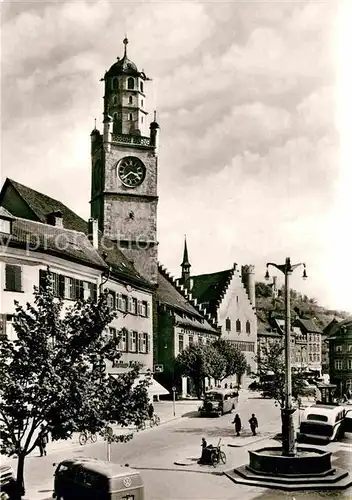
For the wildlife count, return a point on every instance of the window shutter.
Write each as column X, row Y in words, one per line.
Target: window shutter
column 13, row 277
column 147, row 309
column 148, row 337
column 42, row 279
column 140, row 342
column 94, row 292
column 127, row 333
column 129, row 304
column 139, row 308
column 76, row 289
column 129, row 340
column 61, row 286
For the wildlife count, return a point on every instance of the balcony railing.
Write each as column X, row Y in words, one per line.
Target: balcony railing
column 131, row 139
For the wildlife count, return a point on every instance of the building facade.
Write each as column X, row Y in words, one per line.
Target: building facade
column 79, row 268
column 340, row 357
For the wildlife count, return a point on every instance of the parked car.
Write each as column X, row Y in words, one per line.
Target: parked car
column 325, row 422
column 219, row 401
column 94, row 479
column 7, row 482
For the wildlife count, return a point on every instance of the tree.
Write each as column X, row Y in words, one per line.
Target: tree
column 198, row 361
column 55, row 375
column 235, row 360
column 271, row 371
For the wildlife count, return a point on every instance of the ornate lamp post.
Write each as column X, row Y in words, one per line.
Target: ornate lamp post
column 288, row 431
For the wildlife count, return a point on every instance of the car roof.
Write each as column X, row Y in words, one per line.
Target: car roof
column 105, row 468
column 329, row 408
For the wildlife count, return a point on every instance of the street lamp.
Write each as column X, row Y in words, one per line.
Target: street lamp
column 288, row 430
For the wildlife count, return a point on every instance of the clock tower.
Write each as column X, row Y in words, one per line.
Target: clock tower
column 124, row 167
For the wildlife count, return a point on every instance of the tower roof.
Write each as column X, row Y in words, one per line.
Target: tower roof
column 124, row 66
column 185, row 261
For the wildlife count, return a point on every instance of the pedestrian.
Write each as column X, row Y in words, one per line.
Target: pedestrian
column 238, row 424
column 42, row 440
column 253, row 422
column 151, row 410
column 204, row 445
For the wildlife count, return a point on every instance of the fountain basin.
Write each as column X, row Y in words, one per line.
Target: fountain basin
column 307, row 461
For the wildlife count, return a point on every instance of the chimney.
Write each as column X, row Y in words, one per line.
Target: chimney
column 93, row 232
column 55, row 219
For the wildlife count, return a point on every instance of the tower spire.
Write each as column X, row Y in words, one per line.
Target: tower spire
column 125, row 42
column 185, row 266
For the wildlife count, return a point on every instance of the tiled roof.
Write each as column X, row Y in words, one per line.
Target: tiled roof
column 41, row 205
column 308, row 324
column 167, row 294
column 210, row 288
column 193, row 323
column 55, row 240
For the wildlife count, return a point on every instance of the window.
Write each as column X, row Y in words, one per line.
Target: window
column 141, row 119
column 114, row 100
column 238, row 326
column 228, row 324
column 338, row 364
column 318, row 418
column 349, row 364
column 130, row 99
column 111, row 300
column 130, row 117
column 134, row 306
column 338, row 348
column 123, row 340
column 133, row 346
column 142, row 87
column 349, row 348
column 112, row 333
column 123, row 302
column 115, row 83
column 248, row 326
column 143, row 343
column 115, row 117
column 142, row 102
column 13, row 278
column 144, row 309
column 130, row 83
column 180, row 343
column 5, row 226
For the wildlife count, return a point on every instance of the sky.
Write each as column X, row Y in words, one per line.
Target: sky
column 252, row 99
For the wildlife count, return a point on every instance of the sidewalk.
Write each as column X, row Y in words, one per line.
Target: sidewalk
column 164, row 409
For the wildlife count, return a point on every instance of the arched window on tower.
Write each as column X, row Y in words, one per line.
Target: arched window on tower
column 114, row 100
column 130, row 116
column 142, row 103
column 130, row 100
column 142, row 87
column 248, row 326
column 238, row 326
column 142, row 119
column 130, row 83
column 115, row 83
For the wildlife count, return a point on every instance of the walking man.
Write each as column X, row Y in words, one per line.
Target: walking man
column 253, row 422
column 150, row 411
column 42, row 440
column 238, row 424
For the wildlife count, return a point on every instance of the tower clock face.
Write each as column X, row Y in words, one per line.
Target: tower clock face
column 131, row 171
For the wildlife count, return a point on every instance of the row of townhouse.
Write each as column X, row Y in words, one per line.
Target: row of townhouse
column 81, row 268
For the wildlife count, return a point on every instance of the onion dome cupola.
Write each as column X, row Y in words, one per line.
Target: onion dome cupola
column 125, row 99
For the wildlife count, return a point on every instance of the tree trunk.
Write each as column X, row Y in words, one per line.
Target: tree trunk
column 20, row 490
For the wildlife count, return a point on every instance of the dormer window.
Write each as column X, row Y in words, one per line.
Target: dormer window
column 5, row 221
column 5, row 226
column 130, row 83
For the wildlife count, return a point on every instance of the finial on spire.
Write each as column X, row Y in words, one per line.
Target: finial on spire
column 185, row 254
column 95, row 123
column 125, row 42
column 155, row 121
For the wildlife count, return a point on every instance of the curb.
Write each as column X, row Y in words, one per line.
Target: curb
column 173, row 469
column 271, row 436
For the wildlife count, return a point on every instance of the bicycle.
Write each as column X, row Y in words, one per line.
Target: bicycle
column 217, row 455
column 155, row 420
column 87, row 436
